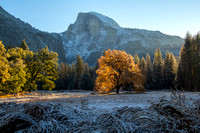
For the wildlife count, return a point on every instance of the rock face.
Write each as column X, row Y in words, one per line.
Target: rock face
column 89, row 36
column 13, row 31
column 92, row 33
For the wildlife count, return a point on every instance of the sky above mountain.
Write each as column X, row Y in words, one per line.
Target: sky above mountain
column 173, row 17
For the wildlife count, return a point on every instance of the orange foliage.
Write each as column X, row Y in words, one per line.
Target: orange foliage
column 116, row 68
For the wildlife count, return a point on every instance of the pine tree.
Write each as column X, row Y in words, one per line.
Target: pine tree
column 170, row 70
column 71, row 79
column 188, row 62
column 167, row 69
column 85, row 82
column 143, row 65
column 136, row 59
column 49, row 67
column 149, row 73
column 24, row 46
column 93, row 74
column 62, row 82
column 180, row 74
column 157, row 70
column 197, row 63
column 174, row 62
column 185, row 64
column 79, row 69
column 188, row 69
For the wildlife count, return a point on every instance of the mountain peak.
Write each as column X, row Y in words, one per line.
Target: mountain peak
column 2, row 10
column 102, row 18
column 106, row 19
column 92, row 33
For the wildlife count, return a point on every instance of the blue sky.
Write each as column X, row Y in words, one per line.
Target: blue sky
column 173, row 17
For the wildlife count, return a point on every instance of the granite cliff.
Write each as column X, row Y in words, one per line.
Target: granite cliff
column 89, row 36
column 92, row 33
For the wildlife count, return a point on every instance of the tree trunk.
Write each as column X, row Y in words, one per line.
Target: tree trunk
column 117, row 90
column 118, row 84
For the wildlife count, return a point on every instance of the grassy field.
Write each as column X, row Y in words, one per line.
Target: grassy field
column 95, row 101
column 84, row 111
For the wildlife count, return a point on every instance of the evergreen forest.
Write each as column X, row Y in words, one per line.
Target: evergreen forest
column 25, row 70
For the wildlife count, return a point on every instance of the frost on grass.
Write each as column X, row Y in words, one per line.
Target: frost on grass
column 175, row 114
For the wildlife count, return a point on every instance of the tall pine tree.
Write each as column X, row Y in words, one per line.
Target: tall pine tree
column 71, row 80
column 80, row 68
column 149, row 73
column 85, row 82
column 24, row 46
column 143, row 65
column 136, row 58
column 188, row 69
column 157, row 70
column 169, row 71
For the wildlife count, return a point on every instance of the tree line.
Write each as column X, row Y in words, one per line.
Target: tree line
column 157, row 75
column 78, row 76
column 173, row 72
column 24, row 70
column 170, row 72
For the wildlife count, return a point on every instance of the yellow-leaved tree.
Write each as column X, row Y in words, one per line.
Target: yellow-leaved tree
column 116, row 69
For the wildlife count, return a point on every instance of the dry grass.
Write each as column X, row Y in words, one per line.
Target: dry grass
column 23, row 93
column 168, row 112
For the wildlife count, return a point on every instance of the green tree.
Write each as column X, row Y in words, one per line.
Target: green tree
column 21, row 69
column 185, row 64
column 136, row 58
column 180, row 74
column 149, row 72
column 188, row 69
column 23, row 45
column 157, row 70
column 143, row 65
column 62, row 82
column 12, row 69
column 93, row 74
column 4, row 69
column 42, row 66
column 197, row 63
column 85, row 82
column 79, row 69
column 71, row 80
column 17, row 70
column 49, row 67
column 170, row 70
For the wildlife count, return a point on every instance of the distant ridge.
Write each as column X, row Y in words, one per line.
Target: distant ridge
column 13, row 31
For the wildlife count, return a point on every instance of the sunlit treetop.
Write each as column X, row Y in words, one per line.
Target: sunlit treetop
column 117, row 68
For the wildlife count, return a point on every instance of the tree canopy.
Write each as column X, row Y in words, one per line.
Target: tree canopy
column 21, row 69
column 117, row 68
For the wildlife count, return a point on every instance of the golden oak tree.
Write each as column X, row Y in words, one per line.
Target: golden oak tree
column 117, row 68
